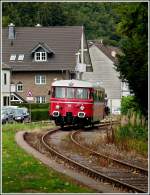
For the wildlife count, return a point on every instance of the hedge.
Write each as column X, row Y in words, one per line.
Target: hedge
column 38, row 111
column 38, row 115
column 33, row 105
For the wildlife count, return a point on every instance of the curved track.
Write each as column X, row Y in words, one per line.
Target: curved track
column 109, row 159
column 132, row 182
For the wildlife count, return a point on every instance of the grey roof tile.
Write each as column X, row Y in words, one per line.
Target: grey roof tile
column 64, row 41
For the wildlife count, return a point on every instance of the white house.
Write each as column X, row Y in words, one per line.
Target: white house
column 125, row 89
column 103, row 58
column 5, row 80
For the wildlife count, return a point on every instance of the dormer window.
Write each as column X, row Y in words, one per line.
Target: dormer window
column 41, row 52
column 40, row 56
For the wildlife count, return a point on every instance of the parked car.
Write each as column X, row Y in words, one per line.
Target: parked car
column 18, row 115
column 7, row 116
column 25, row 114
column 21, row 115
column 4, row 117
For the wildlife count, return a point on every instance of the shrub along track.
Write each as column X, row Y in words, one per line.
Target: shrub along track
column 123, row 178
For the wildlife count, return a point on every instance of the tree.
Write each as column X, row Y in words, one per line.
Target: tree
column 133, row 63
column 99, row 19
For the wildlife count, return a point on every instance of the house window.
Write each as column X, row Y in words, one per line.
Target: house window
column 21, row 57
column 6, row 101
column 19, row 87
column 40, row 99
column 12, row 57
column 40, row 79
column 72, row 75
column 40, row 56
column 5, row 79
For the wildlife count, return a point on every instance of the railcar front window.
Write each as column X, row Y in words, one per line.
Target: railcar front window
column 70, row 93
column 59, row 92
column 82, row 93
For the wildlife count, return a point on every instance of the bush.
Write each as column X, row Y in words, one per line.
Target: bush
column 128, row 104
column 131, row 137
column 39, row 114
column 136, row 132
column 33, row 105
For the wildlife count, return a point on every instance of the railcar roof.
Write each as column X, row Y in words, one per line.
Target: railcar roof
column 76, row 83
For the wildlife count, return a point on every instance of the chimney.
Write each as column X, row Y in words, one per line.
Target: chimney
column 101, row 41
column 11, row 33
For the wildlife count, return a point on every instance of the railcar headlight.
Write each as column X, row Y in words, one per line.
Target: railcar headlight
column 82, row 107
column 57, row 107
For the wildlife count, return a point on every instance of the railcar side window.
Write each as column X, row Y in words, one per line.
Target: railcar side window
column 59, row 92
column 82, row 93
column 70, row 93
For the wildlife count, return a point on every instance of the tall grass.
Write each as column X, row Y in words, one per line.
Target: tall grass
column 132, row 134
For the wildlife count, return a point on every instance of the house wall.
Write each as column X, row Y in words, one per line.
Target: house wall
column 125, row 89
column 5, row 88
column 28, row 80
column 105, row 74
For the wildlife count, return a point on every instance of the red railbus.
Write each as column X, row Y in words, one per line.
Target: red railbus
column 75, row 102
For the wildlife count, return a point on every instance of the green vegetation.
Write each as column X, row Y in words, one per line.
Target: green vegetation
column 22, row 173
column 39, row 114
column 129, row 104
column 133, row 63
column 132, row 134
column 99, row 19
column 132, row 138
column 38, row 111
column 122, row 24
column 33, row 105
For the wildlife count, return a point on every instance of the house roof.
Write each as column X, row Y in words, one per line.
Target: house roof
column 42, row 45
column 5, row 66
column 63, row 41
column 108, row 50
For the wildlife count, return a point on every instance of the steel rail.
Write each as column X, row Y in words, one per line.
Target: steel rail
column 89, row 171
column 108, row 158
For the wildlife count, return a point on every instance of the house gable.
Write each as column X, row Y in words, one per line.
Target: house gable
column 41, row 47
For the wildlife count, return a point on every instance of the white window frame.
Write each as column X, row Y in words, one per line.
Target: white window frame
column 40, row 79
column 20, row 57
column 40, row 99
column 38, row 56
column 20, row 85
column 12, row 57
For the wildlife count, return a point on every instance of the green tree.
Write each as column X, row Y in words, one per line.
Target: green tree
column 99, row 19
column 133, row 63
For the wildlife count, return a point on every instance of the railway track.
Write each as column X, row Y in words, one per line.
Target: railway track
column 133, row 168
column 122, row 178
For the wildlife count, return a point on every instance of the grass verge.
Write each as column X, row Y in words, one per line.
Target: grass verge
column 21, row 173
column 132, row 138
